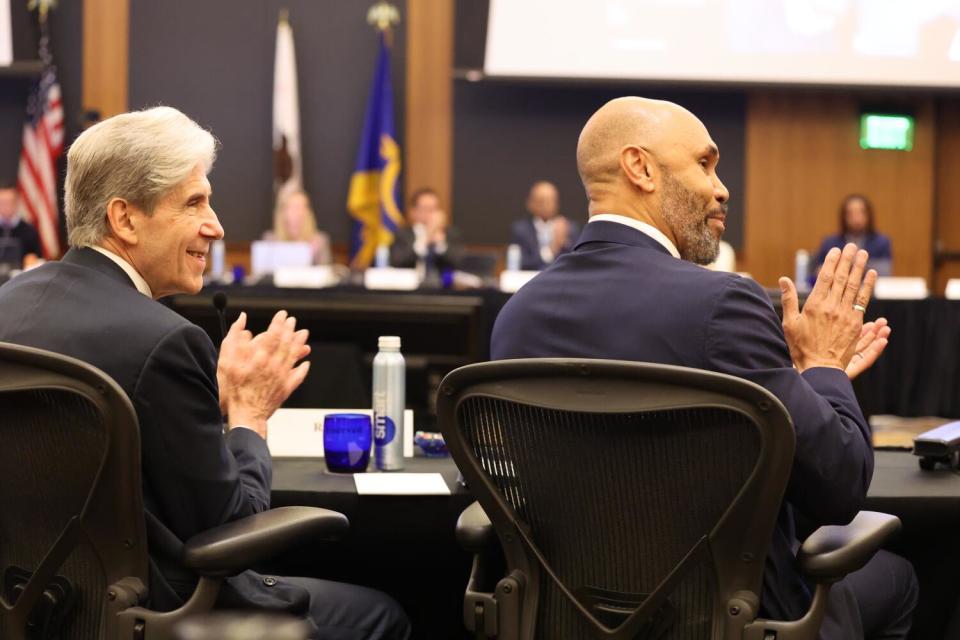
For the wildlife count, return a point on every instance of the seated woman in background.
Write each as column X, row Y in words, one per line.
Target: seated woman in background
column 294, row 221
column 856, row 226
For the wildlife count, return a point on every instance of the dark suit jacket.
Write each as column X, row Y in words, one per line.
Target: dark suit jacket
column 621, row 295
column 194, row 477
column 403, row 256
column 524, row 234
column 27, row 235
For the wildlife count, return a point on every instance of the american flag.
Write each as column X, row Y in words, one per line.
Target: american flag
column 42, row 145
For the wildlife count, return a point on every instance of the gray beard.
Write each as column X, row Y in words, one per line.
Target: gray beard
column 684, row 212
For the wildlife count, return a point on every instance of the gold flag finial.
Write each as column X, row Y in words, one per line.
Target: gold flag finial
column 42, row 7
column 383, row 16
column 284, row 15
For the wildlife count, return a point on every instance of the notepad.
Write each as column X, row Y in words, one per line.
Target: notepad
column 401, row 484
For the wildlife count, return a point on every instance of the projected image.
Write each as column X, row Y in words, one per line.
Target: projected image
column 865, row 42
column 880, row 28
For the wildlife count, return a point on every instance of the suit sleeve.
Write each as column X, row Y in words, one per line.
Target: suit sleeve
column 529, row 248
column 199, row 477
column 31, row 241
column 453, row 256
column 402, row 254
column 833, row 463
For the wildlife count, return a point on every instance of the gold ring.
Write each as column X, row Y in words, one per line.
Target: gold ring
column 860, row 308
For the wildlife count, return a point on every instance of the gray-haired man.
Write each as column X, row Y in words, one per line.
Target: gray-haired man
column 140, row 226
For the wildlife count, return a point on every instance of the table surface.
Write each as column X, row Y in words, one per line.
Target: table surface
column 897, row 476
column 927, row 503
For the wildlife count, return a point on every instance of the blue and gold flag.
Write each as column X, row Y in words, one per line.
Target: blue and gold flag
column 374, row 186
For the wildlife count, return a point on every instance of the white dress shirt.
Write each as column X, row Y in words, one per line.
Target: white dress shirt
column 642, row 227
column 544, row 229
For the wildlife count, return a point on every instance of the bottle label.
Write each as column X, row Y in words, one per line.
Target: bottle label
column 384, row 429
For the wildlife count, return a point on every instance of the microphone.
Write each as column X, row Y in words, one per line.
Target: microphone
column 220, row 304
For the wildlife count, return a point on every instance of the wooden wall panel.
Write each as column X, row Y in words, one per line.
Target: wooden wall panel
column 428, row 140
column 948, row 188
column 803, row 156
column 106, row 34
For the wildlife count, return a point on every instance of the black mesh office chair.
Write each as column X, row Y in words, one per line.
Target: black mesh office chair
column 73, row 555
column 630, row 501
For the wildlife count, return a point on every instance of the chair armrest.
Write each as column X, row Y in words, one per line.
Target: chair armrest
column 474, row 531
column 236, row 546
column 832, row 552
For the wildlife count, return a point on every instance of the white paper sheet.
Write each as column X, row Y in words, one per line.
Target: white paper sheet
column 401, row 484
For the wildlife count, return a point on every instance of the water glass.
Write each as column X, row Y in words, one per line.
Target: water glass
column 346, row 442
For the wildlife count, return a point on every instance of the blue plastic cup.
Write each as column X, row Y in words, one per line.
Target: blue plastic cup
column 346, row 442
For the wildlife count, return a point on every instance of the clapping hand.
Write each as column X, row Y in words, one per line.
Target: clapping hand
column 830, row 331
column 256, row 374
column 873, row 340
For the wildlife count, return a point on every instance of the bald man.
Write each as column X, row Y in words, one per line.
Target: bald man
column 545, row 234
column 632, row 289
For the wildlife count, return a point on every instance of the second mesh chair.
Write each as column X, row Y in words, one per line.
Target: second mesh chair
column 630, row 500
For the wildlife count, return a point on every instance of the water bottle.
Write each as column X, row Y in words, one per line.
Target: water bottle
column 217, row 256
column 513, row 257
column 801, row 270
column 389, row 401
column 381, row 258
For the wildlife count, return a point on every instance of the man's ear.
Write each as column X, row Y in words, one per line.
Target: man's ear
column 638, row 166
column 122, row 222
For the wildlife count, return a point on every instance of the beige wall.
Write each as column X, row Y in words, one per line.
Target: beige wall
column 803, row 156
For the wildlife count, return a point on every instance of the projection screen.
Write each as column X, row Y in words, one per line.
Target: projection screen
column 831, row 42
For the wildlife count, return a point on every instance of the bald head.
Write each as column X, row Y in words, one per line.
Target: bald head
column 621, row 122
column 654, row 161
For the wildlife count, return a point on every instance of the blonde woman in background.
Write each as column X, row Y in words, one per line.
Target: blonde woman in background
column 294, row 221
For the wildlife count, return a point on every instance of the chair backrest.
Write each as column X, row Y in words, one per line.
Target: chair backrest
column 636, row 500
column 71, row 514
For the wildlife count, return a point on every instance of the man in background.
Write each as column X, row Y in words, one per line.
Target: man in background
column 632, row 290
column 19, row 242
column 429, row 241
column 140, row 225
column 544, row 234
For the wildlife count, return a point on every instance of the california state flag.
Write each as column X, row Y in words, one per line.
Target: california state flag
column 288, row 171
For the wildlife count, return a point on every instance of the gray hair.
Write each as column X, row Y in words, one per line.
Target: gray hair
column 138, row 156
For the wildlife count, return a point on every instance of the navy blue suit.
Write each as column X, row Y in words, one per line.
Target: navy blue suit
column 194, row 476
column 621, row 295
column 524, row 234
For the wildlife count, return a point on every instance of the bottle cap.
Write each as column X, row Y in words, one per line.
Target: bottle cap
column 388, row 342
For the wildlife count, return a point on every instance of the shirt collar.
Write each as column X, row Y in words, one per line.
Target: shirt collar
column 132, row 273
column 642, row 227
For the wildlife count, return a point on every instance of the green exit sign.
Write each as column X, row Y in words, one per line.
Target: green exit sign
column 886, row 131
